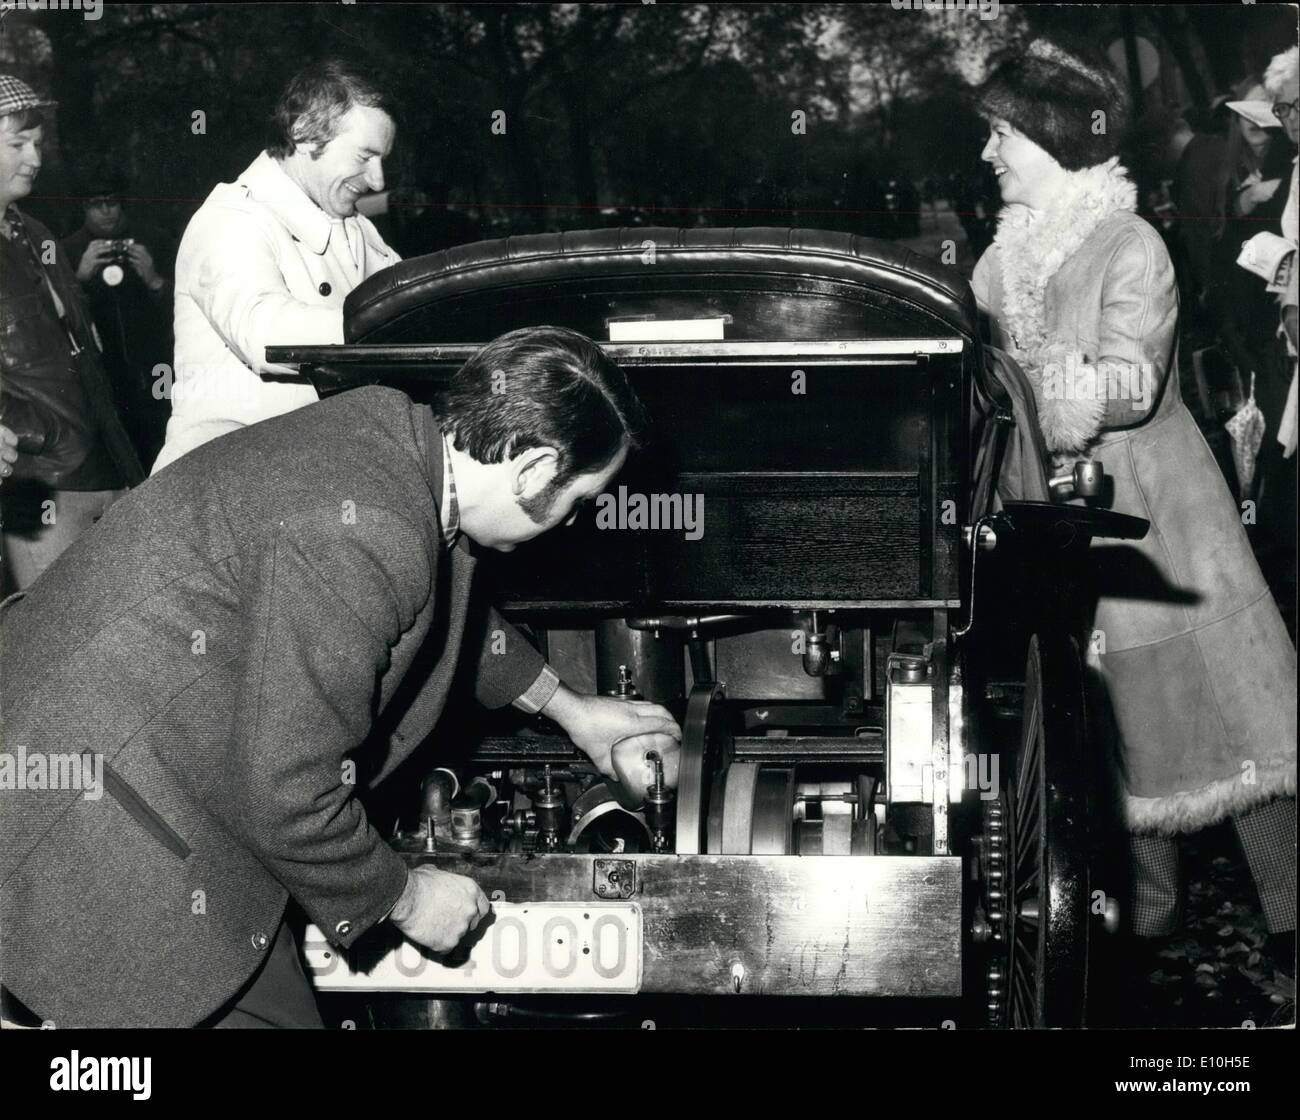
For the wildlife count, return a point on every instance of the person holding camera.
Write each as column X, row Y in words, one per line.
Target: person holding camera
column 69, row 457
column 119, row 266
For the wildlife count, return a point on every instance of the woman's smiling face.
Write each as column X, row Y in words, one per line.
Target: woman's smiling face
column 1025, row 172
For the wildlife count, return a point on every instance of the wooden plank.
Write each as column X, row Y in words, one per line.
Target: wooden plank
column 789, row 925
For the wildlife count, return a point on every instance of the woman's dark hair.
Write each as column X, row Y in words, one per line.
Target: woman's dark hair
column 543, row 387
column 315, row 100
column 24, row 119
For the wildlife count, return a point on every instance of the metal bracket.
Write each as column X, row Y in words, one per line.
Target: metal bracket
column 939, row 758
column 613, row 878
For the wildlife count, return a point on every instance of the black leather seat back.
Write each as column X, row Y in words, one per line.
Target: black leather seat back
column 774, row 283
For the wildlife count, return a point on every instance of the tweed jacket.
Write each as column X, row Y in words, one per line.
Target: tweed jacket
column 226, row 639
column 1196, row 661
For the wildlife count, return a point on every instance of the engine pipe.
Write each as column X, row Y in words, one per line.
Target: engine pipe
column 437, row 791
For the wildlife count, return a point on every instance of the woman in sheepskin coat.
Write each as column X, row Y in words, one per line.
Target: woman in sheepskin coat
column 1198, row 666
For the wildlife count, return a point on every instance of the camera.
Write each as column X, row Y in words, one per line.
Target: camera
column 113, row 273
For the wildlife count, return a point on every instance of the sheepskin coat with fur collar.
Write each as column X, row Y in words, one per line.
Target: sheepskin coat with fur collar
column 1198, row 668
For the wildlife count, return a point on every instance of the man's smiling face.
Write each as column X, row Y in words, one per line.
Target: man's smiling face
column 336, row 174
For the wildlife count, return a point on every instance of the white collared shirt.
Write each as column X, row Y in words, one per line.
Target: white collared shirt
column 260, row 264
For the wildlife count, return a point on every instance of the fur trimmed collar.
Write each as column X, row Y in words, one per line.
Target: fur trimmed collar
column 1032, row 247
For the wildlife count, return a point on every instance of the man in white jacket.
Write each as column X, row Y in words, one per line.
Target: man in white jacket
column 268, row 259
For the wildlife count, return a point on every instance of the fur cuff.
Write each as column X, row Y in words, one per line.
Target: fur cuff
column 1071, row 398
column 1188, row 812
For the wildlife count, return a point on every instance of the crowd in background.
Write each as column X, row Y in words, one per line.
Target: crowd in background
column 1210, row 180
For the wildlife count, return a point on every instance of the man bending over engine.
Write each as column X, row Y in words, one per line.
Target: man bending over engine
column 229, row 633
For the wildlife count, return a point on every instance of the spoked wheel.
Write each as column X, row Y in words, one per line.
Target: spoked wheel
column 1035, row 853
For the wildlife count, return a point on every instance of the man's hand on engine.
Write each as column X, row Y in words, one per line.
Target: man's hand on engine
column 617, row 735
column 438, row 909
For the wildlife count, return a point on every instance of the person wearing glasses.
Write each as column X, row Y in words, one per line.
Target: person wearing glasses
column 1276, row 535
column 1283, row 82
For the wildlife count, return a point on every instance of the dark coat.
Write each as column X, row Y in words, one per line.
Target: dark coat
column 61, row 408
column 225, row 637
column 135, row 327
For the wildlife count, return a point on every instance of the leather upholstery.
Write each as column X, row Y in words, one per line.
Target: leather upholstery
column 517, row 262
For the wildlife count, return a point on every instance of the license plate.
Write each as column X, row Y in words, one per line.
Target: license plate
column 526, row 947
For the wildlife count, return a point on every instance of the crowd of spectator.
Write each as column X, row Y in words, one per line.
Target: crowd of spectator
column 1220, row 185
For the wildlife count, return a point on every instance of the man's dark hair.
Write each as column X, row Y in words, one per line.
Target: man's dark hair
column 543, row 387
column 315, row 100
column 100, row 181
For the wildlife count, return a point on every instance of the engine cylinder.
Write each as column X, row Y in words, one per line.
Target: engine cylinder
column 654, row 662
